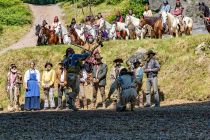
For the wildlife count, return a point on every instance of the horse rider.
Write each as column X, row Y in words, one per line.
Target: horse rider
column 119, row 18
column 151, row 68
column 73, row 22
column 130, row 13
column 72, row 66
column 44, row 23
column 115, row 71
column 165, row 7
column 147, row 11
column 57, row 27
column 126, row 83
column 14, row 83
column 178, row 9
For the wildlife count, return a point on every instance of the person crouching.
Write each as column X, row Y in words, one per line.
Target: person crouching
column 48, row 80
column 128, row 93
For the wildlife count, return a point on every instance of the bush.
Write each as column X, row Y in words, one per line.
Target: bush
column 113, row 2
column 14, row 13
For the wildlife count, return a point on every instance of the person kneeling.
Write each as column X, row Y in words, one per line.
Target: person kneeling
column 128, row 93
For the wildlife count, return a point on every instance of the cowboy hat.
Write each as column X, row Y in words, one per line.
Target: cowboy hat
column 118, row 60
column 48, row 63
column 151, row 52
column 136, row 61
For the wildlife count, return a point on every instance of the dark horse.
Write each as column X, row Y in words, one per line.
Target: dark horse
column 42, row 38
column 155, row 23
column 205, row 14
column 46, row 36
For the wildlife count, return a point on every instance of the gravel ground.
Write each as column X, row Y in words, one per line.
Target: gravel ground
column 190, row 121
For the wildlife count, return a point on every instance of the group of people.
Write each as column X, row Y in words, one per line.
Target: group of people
column 74, row 73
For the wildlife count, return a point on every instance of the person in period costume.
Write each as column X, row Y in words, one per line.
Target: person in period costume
column 147, row 11
column 99, row 80
column 165, row 7
column 72, row 65
column 14, row 83
column 138, row 73
column 82, row 92
column 178, row 10
column 115, row 71
column 151, row 68
column 48, row 82
column 130, row 13
column 128, row 93
column 32, row 94
column 61, row 80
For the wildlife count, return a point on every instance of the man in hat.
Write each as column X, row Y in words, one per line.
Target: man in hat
column 61, row 80
column 151, row 68
column 115, row 71
column 14, row 83
column 44, row 23
column 138, row 73
column 72, row 66
column 128, row 94
column 99, row 80
column 48, row 81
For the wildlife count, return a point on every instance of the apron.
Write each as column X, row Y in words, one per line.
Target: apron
column 33, row 86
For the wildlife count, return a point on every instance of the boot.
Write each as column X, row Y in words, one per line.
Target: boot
column 72, row 104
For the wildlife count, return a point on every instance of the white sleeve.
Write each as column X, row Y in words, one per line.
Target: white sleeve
column 85, row 75
column 38, row 75
column 26, row 76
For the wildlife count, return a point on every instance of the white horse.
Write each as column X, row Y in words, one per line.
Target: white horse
column 122, row 27
column 61, row 31
column 112, row 32
column 188, row 25
column 172, row 22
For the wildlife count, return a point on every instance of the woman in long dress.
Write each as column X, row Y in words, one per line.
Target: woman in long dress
column 32, row 95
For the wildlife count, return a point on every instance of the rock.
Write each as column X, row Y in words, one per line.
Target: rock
column 200, row 49
column 138, row 55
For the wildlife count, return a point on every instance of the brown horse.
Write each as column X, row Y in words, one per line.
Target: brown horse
column 75, row 39
column 52, row 38
column 132, row 30
column 155, row 23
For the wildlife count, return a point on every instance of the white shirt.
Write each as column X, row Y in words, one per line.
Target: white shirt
column 84, row 76
column 28, row 72
column 62, row 77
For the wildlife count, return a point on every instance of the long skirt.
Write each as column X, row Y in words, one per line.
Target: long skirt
column 32, row 103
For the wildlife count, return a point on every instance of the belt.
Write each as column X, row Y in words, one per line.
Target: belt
column 129, row 87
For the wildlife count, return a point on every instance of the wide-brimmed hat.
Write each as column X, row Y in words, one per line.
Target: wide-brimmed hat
column 151, row 52
column 11, row 68
column 118, row 60
column 136, row 61
column 48, row 63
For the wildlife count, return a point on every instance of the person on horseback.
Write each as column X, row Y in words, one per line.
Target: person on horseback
column 119, row 18
column 72, row 66
column 44, row 23
column 178, row 8
column 57, row 27
column 73, row 22
column 130, row 13
column 147, row 12
column 165, row 7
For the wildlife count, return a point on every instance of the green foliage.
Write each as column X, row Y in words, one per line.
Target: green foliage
column 113, row 2
column 85, row 3
column 13, row 12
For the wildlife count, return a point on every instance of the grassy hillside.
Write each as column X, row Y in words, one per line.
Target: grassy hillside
column 183, row 75
column 15, row 18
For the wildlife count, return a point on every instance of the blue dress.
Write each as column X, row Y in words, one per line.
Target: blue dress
column 32, row 95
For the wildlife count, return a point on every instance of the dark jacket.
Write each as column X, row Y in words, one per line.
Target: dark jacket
column 101, row 73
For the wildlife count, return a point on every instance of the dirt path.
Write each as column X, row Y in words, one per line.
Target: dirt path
column 39, row 13
column 186, row 121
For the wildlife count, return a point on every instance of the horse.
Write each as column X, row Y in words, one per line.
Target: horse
column 187, row 23
column 172, row 22
column 53, row 38
column 155, row 22
column 132, row 30
column 205, row 14
column 63, row 34
column 42, row 38
column 75, row 39
column 123, row 29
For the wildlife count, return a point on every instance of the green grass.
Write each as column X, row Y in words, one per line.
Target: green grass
column 184, row 75
column 15, row 20
column 108, row 11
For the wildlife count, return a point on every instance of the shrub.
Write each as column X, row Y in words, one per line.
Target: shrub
column 14, row 13
column 113, row 2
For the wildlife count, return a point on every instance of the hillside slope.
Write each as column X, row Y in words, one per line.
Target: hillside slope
column 183, row 75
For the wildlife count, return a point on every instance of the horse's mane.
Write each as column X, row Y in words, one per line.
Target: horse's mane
column 151, row 20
